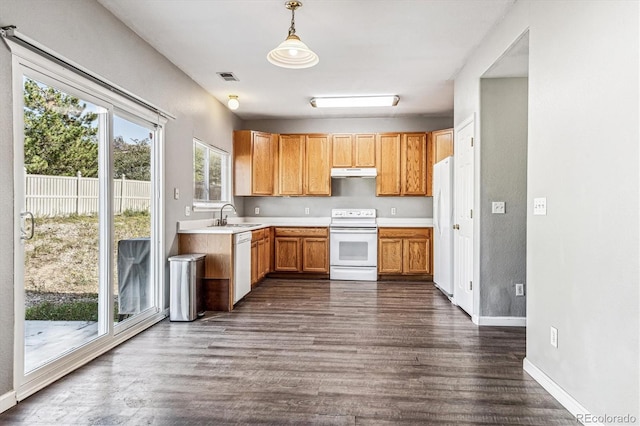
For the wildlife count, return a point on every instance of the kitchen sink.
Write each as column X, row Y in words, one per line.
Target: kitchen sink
column 236, row 225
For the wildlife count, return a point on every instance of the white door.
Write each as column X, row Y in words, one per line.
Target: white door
column 463, row 216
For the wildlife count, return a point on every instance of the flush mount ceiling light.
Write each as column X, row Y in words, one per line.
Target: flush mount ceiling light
column 233, row 102
column 355, row 101
column 292, row 53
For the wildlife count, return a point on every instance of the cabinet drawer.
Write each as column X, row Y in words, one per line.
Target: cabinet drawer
column 403, row 232
column 302, row 232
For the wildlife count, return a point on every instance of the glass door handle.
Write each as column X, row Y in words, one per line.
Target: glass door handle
column 24, row 235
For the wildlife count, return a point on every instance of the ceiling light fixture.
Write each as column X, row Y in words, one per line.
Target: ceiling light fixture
column 355, row 101
column 233, row 102
column 293, row 53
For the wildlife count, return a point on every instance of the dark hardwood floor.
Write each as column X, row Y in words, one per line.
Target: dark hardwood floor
column 308, row 352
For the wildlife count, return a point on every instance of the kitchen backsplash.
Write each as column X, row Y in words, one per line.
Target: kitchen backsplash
column 346, row 193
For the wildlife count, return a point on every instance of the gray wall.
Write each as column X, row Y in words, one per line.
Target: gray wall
column 583, row 256
column 350, row 125
column 503, row 174
column 88, row 34
column 345, row 193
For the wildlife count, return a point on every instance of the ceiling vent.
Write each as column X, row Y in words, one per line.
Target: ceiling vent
column 227, row 76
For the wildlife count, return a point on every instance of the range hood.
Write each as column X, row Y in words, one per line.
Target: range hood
column 366, row 172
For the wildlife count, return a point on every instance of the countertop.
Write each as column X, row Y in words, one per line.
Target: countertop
column 204, row 226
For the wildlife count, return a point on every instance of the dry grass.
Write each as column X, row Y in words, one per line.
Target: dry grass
column 63, row 255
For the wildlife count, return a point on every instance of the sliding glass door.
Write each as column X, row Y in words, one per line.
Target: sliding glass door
column 87, row 201
column 61, row 220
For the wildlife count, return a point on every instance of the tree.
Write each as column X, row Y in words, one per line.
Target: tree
column 60, row 135
column 132, row 159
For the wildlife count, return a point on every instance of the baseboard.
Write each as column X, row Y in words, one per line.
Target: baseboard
column 567, row 401
column 7, row 401
column 502, row 321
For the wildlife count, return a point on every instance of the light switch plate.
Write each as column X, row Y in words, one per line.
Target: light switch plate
column 176, row 193
column 187, row 210
column 498, row 207
column 540, row 206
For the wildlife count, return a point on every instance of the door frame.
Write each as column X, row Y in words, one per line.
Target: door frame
column 24, row 59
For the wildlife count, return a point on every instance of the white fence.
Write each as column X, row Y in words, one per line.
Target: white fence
column 65, row 195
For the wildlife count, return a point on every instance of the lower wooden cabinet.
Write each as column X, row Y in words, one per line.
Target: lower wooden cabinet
column 405, row 251
column 260, row 254
column 301, row 250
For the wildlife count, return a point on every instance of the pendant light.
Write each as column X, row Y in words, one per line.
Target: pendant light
column 292, row 53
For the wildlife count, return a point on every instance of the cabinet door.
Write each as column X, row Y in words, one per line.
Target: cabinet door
column 254, row 262
column 414, row 164
column 261, row 258
column 416, row 256
column 288, row 256
column 315, row 255
column 266, row 261
column 242, row 162
column 317, row 179
column 388, row 164
column 342, row 150
column 290, row 164
column 365, row 150
column 442, row 143
column 262, row 164
column 390, row 256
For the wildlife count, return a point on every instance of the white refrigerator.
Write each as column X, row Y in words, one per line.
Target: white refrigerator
column 442, row 226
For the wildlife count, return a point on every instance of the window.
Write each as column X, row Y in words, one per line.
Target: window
column 211, row 176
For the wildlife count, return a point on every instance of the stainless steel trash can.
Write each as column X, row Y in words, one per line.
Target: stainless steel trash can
column 186, row 273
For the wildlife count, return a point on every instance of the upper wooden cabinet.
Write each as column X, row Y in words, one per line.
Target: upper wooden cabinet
column 304, row 164
column 414, row 164
column 442, row 142
column 291, row 155
column 317, row 170
column 388, row 163
column 254, row 156
column 402, row 163
column 354, row 150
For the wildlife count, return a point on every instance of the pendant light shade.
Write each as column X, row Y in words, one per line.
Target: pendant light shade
column 293, row 53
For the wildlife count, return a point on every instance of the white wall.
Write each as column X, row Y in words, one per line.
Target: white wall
column 582, row 258
column 89, row 35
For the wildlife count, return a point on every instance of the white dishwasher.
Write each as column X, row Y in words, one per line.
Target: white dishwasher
column 241, row 265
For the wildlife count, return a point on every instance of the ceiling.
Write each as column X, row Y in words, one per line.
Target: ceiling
column 410, row 48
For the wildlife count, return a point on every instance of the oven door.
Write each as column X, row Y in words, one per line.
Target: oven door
column 354, row 246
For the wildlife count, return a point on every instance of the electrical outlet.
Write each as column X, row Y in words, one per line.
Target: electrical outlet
column 554, row 337
column 519, row 289
column 187, row 210
column 540, row 206
column 176, row 193
column 306, row 210
column 256, row 210
column 393, row 211
column 497, row 207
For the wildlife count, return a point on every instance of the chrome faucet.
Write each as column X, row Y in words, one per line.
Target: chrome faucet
column 221, row 221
